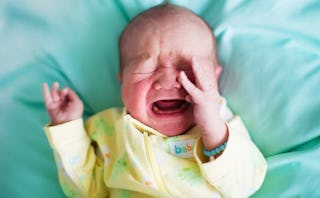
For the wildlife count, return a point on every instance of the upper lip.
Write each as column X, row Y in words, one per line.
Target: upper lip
column 159, row 98
column 165, row 99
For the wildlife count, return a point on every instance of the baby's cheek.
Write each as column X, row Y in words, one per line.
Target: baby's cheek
column 137, row 94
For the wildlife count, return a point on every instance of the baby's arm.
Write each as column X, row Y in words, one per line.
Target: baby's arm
column 80, row 170
column 206, row 100
column 240, row 170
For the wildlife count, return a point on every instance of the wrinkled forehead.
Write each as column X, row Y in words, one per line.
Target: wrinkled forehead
column 168, row 30
column 175, row 32
column 164, row 22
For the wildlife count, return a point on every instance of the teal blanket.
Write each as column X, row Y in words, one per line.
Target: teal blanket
column 270, row 51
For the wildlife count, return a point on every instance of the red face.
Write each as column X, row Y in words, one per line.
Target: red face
column 153, row 58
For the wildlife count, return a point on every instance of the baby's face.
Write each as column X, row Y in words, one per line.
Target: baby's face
column 152, row 60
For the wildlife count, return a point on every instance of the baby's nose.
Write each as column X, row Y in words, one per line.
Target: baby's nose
column 168, row 80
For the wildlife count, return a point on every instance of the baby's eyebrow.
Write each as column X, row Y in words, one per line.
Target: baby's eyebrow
column 141, row 56
column 137, row 59
column 141, row 73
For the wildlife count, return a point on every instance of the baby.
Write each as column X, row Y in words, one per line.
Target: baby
column 175, row 136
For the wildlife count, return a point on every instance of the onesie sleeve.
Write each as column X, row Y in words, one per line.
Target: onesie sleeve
column 240, row 170
column 80, row 170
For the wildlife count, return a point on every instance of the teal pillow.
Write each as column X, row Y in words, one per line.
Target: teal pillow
column 269, row 51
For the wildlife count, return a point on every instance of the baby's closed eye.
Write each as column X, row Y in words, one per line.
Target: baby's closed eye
column 144, row 68
column 184, row 67
column 143, row 73
column 189, row 73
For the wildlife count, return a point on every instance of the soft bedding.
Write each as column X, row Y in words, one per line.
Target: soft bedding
column 270, row 51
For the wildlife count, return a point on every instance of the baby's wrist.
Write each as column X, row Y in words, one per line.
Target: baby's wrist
column 212, row 154
column 59, row 122
column 215, row 137
column 54, row 123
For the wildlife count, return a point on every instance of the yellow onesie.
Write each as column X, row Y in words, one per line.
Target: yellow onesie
column 114, row 155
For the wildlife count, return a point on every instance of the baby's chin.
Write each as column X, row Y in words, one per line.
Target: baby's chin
column 173, row 129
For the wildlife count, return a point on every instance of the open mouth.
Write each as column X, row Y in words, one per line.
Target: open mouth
column 168, row 107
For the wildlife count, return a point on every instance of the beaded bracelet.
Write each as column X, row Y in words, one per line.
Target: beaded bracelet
column 215, row 151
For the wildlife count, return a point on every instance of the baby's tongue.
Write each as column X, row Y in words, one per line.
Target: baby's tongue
column 169, row 104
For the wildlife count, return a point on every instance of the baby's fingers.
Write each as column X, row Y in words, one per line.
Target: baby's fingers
column 63, row 94
column 46, row 93
column 204, row 74
column 55, row 91
column 192, row 90
column 73, row 96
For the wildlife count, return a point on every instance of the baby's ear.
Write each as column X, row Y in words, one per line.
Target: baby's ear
column 218, row 71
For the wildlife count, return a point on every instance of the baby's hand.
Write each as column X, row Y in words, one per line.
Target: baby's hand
column 62, row 105
column 205, row 98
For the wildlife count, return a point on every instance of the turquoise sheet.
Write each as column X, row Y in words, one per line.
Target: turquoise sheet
column 270, row 51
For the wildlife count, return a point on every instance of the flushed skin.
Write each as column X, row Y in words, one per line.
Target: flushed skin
column 170, row 62
column 168, row 78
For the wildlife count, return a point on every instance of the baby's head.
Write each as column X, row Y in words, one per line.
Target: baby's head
column 154, row 48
